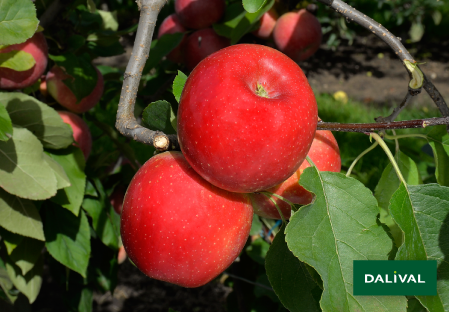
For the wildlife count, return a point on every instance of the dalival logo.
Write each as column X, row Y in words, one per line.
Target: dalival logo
column 394, row 278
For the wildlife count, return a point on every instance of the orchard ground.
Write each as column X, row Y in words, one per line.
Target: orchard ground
column 374, row 80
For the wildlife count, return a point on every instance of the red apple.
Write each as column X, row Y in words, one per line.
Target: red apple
column 177, row 227
column 325, row 153
column 64, row 96
column 81, row 132
column 298, row 34
column 247, row 117
column 201, row 44
column 117, row 197
column 267, row 23
column 37, row 47
column 172, row 25
column 199, row 14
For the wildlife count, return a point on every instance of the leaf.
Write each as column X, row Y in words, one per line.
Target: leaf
column 160, row 48
column 19, row 216
column 437, row 17
column 158, row 115
column 339, row 226
column 416, row 31
column 18, row 21
column 388, row 183
column 289, row 277
column 422, row 213
column 26, row 254
column 233, row 14
column 11, row 240
column 68, row 238
column 5, row 283
column 83, row 76
column 110, row 21
column 72, row 161
column 28, row 284
column 257, row 250
column 23, row 170
column 62, row 180
column 39, row 118
column 91, row 6
column 178, row 85
column 439, row 141
column 17, row 60
column 256, row 225
column 6, row 130
column 252, row 6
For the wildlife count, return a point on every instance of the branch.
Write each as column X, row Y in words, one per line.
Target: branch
column 126, row 122
column 370, row 127
column 352, row 15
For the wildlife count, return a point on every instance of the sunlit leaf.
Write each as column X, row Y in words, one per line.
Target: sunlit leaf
column 178, row 84
column 6, row 129
column 18, row 21
column 17, row 60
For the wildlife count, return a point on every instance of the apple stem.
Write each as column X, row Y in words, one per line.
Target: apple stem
column 278, row 196
column 260, row 91
column 276, row 205
column 369, row 149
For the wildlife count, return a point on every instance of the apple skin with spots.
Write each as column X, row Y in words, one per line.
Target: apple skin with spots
column 197, row 14
column 247, row 117
column 267, row 23
column 172, row 25
column 325, row 154
column 298, row 34
column 177, row 227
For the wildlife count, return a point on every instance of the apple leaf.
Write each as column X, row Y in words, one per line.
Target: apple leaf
column 439, row 141
column 72, row 161
column 18, row 21
column 340, row 226
column 6, row 284
column 17, row 60
column 252, row 6
column 160, row 48
column 28, row 284
column 11, row 240
column 62, row 181
column 256, row 225
column 258, row 250
column 158, row 115
column 83, row 74
column 23, row 169
column 105, row 221
column 68, row 238
column 91, row 6
column 20, row 216
column 110, row 21
column 45, row 123
column 178, row 85
column 26, row 254
column 6, row 130
column 388, row 184
column 289, row 277
column 233, row 14
column 422, row 213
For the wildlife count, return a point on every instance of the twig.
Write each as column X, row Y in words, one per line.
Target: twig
column 126, row 121
column 397, row 110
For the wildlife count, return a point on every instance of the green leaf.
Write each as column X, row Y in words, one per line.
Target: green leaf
column 158, row 116
column 39, row 118
column 289, row 277
column 252, row 6
column 91, row 6
column 437, row 17
column 6, row 130
column 19, row 216
column 388, row 183
column 415, row 306
column 18, row 21
column 439, row 141
column 23, row 170
column 83, row 74
column 110, row 21
column 62, row 180
column 160, row 48
column 233, row 14
column 17, row 60
column 72, row 161
column 178, row 85
column 339, row 226
column 256, row 225
column 11, row 240
column 5, row 283
column 68, row 238
column 26, row 254
column 416, row 31
column 258, row 250
column 28, row 284
column 422, row 213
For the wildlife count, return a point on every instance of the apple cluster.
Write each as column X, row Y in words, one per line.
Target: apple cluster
column 246, row 121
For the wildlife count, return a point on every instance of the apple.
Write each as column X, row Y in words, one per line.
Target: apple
column 172, row 25
column 37, row 47
column 81, row 132
column 247, row 117
column 298, row 34
column 267, row 23
column 325, row 153
column 64, row 96
column 197, row 14
column 201, row 44
column 117, row 197
column 177, row 227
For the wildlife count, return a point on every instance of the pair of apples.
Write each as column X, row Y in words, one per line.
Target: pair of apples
column 246, row 121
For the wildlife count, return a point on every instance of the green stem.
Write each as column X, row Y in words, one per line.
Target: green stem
column 276, row 205
column 387, row 151
column 311, row 163
column 278, row 196
column 369, row 149
column 402, row 136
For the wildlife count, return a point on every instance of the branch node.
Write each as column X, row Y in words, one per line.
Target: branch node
column 161, row 142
